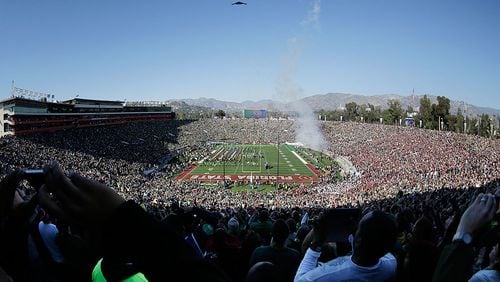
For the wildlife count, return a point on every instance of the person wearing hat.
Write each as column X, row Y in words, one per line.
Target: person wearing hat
column 115, row 271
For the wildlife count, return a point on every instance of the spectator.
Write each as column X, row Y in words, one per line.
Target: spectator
column 262, row 272
column 284, row 259
column 422, row 254
column 456, row 261
column 154, row 249
column 262, row 224
column 425, row 179
column 492, row 272
column 371, row 259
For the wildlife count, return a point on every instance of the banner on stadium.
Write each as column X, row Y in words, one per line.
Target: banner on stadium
column 255, row 113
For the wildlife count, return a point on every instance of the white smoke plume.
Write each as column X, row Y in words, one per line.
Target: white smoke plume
column 312, row 18
column 308, row 128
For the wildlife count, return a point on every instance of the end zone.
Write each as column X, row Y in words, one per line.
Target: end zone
column 250, row 178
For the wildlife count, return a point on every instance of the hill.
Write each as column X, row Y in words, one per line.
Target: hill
column 333, row 101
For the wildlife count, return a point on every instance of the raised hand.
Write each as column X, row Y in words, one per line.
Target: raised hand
column 317, row 236
column 480, row 212
column 76, row 198
column 8, row 187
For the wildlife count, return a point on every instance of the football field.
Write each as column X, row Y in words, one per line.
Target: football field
column 262, row 163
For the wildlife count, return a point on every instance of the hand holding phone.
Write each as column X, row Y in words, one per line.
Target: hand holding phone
column 35, row 177
column 8, row 187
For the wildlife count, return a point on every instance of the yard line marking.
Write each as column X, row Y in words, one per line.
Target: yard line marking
column 299, row 157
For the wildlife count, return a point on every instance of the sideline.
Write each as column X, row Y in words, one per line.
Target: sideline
column 299, row 157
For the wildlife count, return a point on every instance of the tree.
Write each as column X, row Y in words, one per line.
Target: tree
column 370, row 113
column 409, row 109
column 352, row 110
column 443, row 105
column 322, row 114
column 443, row 109
column 453, row 123
column 426, row 112
column 334, row 115
column 180, row 115
column 394, row 112
column 485, row 125
column 220, row 114
column 473, row 125
column 435, row 117
column 456, row 122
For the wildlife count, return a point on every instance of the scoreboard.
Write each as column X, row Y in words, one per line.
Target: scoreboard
column 255, row 113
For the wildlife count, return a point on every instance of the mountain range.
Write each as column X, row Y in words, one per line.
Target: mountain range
column 334, row 101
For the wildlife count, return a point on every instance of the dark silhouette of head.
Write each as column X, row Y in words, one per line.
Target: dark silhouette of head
column 423, row 230
column 291, row 225
column 302, row 233
column 263, row 215
column 263, row 271
column 280, row 232
column 376, row 236
column 252, row 240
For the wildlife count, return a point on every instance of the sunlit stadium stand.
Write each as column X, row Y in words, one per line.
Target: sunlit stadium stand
column 19, row 115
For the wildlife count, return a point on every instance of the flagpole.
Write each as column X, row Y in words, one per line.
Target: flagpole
column 12, row 89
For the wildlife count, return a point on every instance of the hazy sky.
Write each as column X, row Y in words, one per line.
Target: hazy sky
column 158, row 50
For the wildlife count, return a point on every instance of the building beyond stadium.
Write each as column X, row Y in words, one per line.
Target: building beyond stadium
column 19, row 116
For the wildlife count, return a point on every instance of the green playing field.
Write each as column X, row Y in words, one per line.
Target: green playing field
column 251, row 159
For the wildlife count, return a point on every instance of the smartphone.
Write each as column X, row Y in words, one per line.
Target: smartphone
column 34, row 176
column 33, row 171
column 340, row 223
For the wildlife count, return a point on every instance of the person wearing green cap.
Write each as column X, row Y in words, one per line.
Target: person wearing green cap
column 98, row 275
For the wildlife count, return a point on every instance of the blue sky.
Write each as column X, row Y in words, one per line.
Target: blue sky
column 158, row 50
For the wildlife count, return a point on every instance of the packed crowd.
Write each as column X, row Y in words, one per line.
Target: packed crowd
column 423, row 179
column 412, row 160
column 388, row 160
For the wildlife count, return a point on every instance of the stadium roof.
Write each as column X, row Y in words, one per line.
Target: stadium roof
column 22, row 99
column 76, row 101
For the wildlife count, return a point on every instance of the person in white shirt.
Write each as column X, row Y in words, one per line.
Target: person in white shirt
column 48, row 232
column 492, row 272
column 371, row 259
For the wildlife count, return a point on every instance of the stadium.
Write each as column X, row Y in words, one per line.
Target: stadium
column 250, row 141
column 238, row 169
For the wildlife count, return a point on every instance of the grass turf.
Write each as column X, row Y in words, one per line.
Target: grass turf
column 251, row 159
